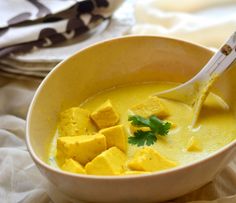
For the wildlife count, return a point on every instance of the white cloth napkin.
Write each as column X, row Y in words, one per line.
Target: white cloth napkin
column 209, row 26
column 187, row 5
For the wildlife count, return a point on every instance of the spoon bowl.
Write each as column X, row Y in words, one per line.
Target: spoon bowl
column 195, row 91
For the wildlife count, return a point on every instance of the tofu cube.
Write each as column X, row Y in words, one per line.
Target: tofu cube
column 82, row 148
column 60, row 157
column 147, row 159
column 151, row 106
column 105, row 115
column 109, row 162
column 193, row 145
column 73, row 122
column 133, row 128
column 115, row 136
column 73, row 166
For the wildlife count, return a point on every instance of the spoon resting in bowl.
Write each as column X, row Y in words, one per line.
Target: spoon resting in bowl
column 195, row 91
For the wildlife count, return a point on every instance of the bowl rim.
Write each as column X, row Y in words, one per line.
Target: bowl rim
column 37, row 160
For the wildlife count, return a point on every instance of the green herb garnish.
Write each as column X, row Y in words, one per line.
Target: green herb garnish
column 157, row 127
column 141, row 138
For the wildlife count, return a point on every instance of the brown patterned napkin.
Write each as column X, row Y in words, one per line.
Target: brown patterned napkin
column 34, row 24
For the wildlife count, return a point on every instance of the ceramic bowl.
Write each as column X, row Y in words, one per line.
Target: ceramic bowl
column 117, row 62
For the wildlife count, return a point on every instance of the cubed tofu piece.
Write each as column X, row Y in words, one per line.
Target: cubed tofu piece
column 193, row 145
column 152, row 106
column 115, row 136
column 60, row 157
column 73, row 122
column 133, row 128
column 147, row 159
column 135, row 172
column 73, row 166
column 105, row 115
column 109, row 162
column 82, row 148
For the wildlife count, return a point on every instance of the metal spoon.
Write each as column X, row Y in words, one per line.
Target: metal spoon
column 195, row 91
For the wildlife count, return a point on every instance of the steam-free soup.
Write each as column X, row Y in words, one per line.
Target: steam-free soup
column 125, row 131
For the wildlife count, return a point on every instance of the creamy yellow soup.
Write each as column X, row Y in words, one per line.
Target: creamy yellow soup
column 215, row 127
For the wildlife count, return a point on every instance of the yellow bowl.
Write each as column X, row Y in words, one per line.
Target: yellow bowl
column 107, row 64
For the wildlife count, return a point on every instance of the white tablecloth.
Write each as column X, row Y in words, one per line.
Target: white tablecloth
column 20, row 181
column 209, row 26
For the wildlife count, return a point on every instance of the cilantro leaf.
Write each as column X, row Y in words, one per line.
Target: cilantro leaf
column 157, row 127
column 139, row 121
column 155, row 124
column 141, row 138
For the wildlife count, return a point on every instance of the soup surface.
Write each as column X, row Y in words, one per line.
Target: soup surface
column 182, row 145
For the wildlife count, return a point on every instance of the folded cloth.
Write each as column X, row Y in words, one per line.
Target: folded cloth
column 37, row 64
column 34, row 24
column 209, row 27
column 30, row 10
column 187, row 5
column 120, row 23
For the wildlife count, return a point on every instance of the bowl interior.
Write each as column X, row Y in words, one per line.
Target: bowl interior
column 112, row 63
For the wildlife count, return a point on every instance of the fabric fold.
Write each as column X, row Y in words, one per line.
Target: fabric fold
column 77, row 18
column 209, row 27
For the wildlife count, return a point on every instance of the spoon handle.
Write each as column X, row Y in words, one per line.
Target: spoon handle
column 221, row 60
